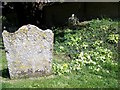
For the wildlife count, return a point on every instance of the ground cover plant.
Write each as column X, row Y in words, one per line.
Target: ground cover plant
column 83, row 58
column 94, row 47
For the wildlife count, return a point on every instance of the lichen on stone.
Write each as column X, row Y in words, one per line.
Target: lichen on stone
column 29, row 51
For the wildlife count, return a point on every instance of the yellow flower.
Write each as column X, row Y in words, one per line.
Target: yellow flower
column 65, row 65
column 104, row 27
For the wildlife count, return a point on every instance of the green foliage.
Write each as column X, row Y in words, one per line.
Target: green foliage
column 94, row 46
column 113, row 38
column 61, row 68
column 92, row 63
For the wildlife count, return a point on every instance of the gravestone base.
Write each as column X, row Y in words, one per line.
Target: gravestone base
column 26, row 75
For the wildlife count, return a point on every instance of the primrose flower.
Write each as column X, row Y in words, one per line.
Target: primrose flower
column 65, row 65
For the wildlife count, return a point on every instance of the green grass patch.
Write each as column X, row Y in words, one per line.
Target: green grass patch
column 83, row 58
column 81, row 80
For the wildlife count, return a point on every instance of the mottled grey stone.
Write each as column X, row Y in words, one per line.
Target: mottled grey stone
column 29, row 51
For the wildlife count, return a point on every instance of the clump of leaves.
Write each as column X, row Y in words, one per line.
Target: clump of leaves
column 94, row 46
column 61, row 68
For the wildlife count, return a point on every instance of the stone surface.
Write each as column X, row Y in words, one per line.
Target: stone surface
column 28, row 51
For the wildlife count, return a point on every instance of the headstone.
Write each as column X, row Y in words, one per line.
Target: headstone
column 29, row 51
column 73, row 22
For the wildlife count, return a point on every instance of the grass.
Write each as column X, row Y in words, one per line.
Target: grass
column 84, row 79
column 107, row 77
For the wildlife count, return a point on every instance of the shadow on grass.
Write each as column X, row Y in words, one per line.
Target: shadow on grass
column 2, row 45
column 5, row 73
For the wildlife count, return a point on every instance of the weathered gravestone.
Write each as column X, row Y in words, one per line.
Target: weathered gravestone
column 29, row 51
